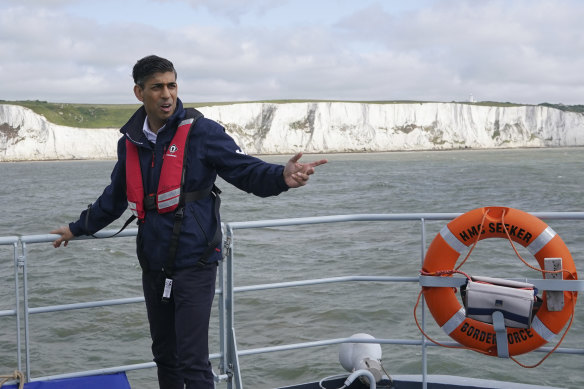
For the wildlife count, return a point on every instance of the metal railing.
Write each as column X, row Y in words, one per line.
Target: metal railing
column 229, row 353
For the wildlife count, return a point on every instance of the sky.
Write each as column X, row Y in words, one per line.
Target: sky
column 83, row 51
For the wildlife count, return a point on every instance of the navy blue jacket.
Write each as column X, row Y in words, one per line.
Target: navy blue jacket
column 210, row 152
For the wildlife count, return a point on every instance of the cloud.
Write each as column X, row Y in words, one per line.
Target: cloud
column 441, row 50
column 498, row 49
column 233, row 10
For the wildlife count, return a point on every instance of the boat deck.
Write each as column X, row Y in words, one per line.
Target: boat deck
column 417, row 382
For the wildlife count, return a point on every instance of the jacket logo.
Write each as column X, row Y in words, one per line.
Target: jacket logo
column 171, row 150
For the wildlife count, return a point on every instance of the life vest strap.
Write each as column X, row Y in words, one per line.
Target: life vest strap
column 198, row 194
column 178, row 218
column 150, row 199
column 126, row 224
column 150, row 202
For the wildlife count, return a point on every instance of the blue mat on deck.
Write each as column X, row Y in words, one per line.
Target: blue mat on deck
column 109, row 381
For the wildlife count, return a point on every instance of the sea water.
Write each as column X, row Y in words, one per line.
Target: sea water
column 39, row 196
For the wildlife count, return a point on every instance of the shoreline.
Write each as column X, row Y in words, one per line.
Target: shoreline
column 332, row 154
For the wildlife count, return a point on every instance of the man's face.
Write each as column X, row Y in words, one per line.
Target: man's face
column 159, row 98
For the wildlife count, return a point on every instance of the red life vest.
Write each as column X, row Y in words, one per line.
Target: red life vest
column 169, row 184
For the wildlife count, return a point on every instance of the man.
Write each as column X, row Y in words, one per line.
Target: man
column 166, row 174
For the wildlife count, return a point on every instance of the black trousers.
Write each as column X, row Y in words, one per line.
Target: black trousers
column 180, row 327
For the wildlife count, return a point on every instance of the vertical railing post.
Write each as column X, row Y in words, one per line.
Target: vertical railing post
column 424, row 345
column 17, row 306
column 221, row 302
column 230, row 357
column 23, row 264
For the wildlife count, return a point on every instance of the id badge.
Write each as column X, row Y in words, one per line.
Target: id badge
column 167, row 290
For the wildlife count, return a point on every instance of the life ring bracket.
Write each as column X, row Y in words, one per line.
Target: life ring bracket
column 540, row 284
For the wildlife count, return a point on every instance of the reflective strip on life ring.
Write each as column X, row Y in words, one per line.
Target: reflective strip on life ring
column 525, row 229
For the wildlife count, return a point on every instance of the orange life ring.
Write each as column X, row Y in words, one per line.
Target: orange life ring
column 525, row 229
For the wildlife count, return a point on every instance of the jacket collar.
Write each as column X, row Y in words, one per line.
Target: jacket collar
column 133, row 128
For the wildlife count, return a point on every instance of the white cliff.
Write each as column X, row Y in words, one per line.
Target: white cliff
column 318, row 127
column 26, row 136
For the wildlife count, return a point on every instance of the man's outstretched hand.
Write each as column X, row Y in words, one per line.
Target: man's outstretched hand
column 296, row 174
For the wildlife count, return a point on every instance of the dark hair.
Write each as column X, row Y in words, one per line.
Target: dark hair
column 149, row 65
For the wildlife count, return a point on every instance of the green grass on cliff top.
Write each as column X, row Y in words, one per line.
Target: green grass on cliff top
column 115, row 115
